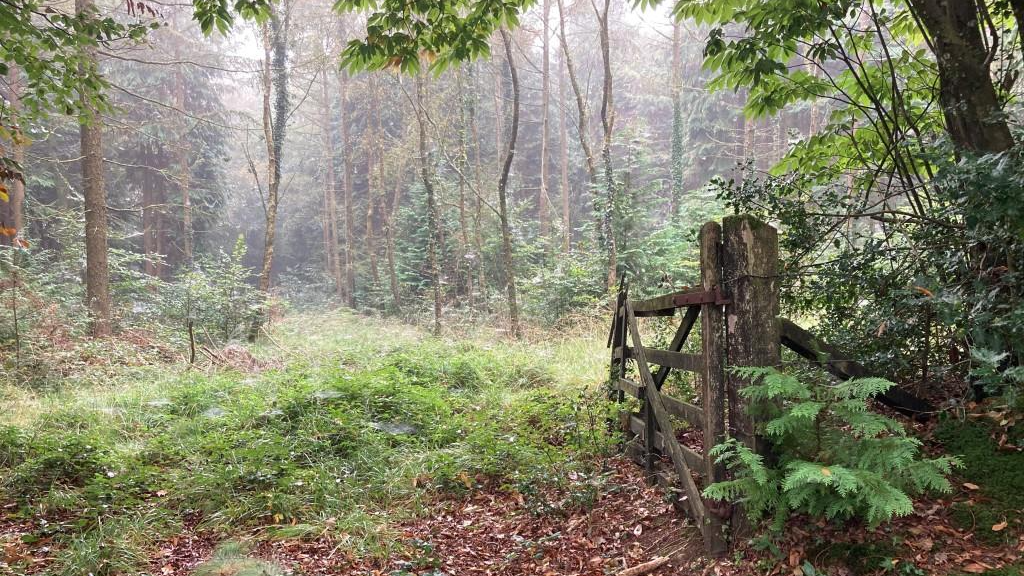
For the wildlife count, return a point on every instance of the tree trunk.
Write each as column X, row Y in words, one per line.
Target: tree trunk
column 1018, row 15
column 968, row 97
column 184, row 152
column 275, row 79
column 346, row 195
column 581, row 101
column 608, row 124
column 478, row 240
column 433, row 220
column 332, row 256
column 563, row 153
column 508, row 262
column 676, row 168
column 372, row 187
column 543, row 202
column 97, row 271
column 463, row 161
column 149, row 220
column 389, row 239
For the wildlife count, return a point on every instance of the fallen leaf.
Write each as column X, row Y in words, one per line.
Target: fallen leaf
column 974, row 568
column 999, row 527
column 794, row 558
column 970, row 486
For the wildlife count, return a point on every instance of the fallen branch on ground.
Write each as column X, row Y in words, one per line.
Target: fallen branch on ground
column 646, row 567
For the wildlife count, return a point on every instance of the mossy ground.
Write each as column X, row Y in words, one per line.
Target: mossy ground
column 999, row 475
column 365, row 422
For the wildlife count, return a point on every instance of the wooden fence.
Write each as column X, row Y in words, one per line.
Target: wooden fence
column 738, row 306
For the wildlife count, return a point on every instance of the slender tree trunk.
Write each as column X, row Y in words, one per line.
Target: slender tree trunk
column 97, row 271
column 346, row 194
column 149, row 220
column 508, row 261
column 377, row 168
column 749, row 137
column 372, row 187
column 330, row 194
column 581, row 100
column 463, row 161
column 478, row 169
column 676, row 168
column 433, row 220
column 608, row 123
column 184, row 151
column 563, row 154
column 543, row 202
column 499, row 109
column 389, row 239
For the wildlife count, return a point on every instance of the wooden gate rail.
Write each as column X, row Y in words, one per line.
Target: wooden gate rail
column 654, row 402
column 828, row 357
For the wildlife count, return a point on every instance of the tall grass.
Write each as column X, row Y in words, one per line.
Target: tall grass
column 364, row 423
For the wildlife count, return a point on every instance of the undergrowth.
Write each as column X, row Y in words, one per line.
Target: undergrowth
column 364, row 425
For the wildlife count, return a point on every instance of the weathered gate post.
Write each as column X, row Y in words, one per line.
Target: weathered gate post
column 750, row 263
column 712, row 335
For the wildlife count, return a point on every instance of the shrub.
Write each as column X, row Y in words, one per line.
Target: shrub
column 55, row 460
column 835, row 458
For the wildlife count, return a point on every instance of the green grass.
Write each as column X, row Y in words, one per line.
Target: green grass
column 998, row 473
column 363, row 425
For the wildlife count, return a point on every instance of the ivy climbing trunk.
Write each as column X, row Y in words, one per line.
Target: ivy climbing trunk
column 433, row 219
column 275, row 83
column 676, row 161
column 607, row 218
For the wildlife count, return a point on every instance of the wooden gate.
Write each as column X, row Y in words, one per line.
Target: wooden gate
column 738, row 306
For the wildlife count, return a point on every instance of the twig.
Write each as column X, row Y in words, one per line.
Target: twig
column 191, row 343
column 646, row 567
column 278, row 344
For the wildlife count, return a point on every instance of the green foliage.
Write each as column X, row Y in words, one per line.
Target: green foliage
column 403, row 35
column 343, row 447
column 216, row 296
column 835, row 457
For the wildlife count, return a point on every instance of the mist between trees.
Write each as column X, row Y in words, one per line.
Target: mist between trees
column 512, row 162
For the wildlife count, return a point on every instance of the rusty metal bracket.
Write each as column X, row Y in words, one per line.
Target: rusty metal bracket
column 713, row 296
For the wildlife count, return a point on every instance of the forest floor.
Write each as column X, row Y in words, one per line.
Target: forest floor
column 352, row 445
